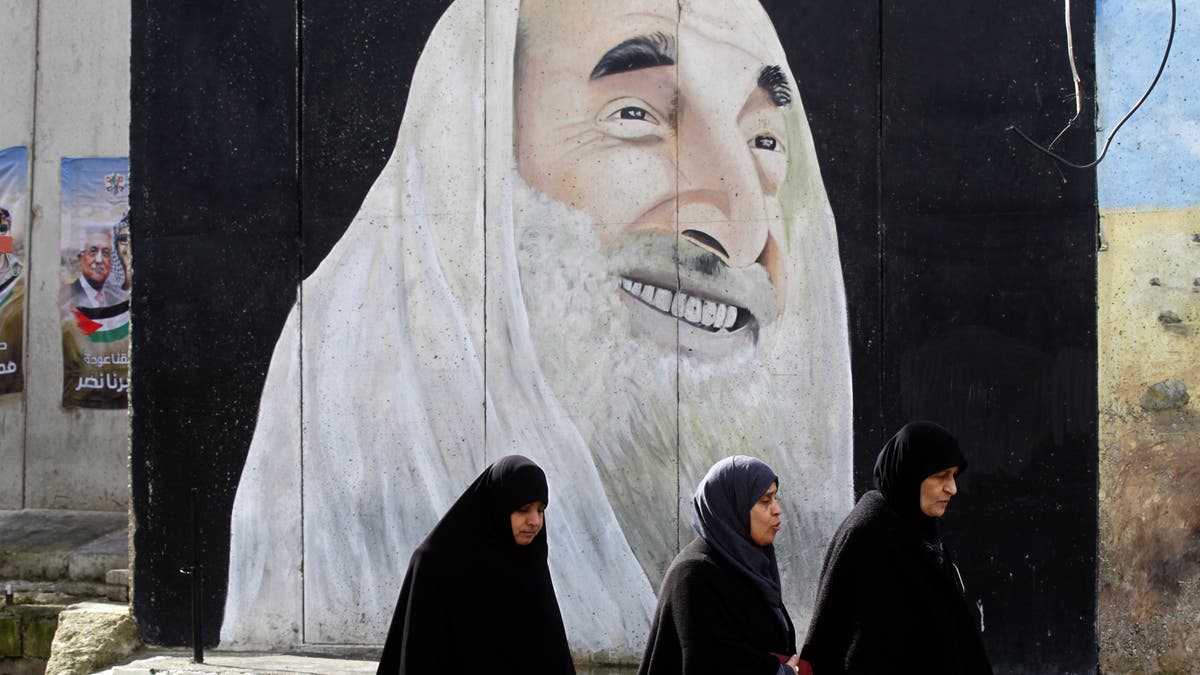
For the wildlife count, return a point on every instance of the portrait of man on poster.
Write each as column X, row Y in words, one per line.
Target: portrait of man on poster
column 92, row 288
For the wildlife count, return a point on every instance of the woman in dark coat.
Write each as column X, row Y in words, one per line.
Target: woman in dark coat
column 720, row 611
column 477, row 595
column 891, row 598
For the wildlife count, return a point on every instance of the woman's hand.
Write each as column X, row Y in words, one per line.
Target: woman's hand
column 799, row 665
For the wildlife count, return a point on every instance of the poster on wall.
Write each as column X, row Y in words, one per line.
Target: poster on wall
column 12, row 268
column 96, row 280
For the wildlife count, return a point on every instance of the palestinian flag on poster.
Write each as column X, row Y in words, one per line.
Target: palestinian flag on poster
column 104, row 324
column 7, row 286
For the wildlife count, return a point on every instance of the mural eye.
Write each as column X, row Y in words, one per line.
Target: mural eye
column 634, row 113
column 765, row 142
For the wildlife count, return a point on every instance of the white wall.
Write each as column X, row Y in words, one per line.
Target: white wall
column 65, row 85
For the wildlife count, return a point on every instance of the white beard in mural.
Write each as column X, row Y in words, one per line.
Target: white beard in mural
column 470, row 311
column 622, row 384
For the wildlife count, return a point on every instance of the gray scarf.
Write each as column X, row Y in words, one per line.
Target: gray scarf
column 721, row 515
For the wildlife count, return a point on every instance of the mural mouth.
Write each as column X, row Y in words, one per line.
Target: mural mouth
column 707, row 314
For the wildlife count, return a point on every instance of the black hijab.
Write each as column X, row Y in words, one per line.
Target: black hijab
column 889, row 592
column 917, row 451
column 472, row 596
column 721, row 515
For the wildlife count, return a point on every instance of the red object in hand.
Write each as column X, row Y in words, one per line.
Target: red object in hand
column 803, row 668
column 6, row 244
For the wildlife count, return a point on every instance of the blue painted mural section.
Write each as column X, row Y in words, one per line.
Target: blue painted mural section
column 1154, row 161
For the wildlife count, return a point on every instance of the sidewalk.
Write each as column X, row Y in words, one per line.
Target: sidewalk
column 175, row 662
column 180, row 663
column 52, row 559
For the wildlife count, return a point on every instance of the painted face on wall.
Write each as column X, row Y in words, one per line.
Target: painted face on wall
column 651, row 141
column 667, row 130
column 654, row 284
column 95, row 258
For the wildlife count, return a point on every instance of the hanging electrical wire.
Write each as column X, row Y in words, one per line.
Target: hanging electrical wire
column 1075, row 73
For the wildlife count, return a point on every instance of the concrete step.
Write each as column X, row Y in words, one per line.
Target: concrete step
column 54, row 545
column 50, row 559
column 26, row 631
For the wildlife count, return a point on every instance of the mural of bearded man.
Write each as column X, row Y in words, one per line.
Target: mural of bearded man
column 602, row 241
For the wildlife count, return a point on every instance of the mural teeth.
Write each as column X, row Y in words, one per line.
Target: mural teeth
column 662, row 299
column 705, row 313
column 677, row 304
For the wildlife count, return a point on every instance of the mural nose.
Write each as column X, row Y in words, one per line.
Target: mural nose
column 720, row 205
column 737, row 244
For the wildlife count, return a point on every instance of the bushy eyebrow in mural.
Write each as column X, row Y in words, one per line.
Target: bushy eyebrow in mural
column 651, row 284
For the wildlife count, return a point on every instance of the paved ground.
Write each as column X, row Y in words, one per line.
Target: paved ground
column 178, row 663
column 157, row 662
column 53, row 556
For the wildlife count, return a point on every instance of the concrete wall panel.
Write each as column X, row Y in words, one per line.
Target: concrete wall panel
column 16, row 129
column 75, row 459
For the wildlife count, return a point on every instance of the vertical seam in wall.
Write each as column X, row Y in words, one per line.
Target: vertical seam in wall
column 486, row 220
column 299, row 177
column 880, row 225
column 30, row 162
column 678, row 285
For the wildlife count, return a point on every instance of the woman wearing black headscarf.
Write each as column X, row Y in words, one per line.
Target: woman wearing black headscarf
column 891, row 598
column 478, row 592
column 720, row 610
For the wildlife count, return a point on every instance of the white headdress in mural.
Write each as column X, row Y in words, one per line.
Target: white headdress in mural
column 412, row 357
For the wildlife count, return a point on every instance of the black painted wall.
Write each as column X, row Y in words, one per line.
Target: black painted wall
column 213, row 135
column 969, row 262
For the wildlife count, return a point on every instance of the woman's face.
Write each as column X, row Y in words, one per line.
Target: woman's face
column 527, row 522
column 936, row 491
column 765, row 518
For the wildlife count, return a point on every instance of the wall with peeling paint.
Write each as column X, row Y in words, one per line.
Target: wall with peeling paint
column 1149, row 338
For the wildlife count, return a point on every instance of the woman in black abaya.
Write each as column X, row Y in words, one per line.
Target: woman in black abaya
column 720, row 610
column 478, row 593
column 891, row 598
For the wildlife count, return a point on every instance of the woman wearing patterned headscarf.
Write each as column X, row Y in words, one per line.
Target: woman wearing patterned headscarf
column 720, row 610
column 891, row 597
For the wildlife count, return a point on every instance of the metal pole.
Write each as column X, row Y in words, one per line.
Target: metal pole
column 197, row 585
